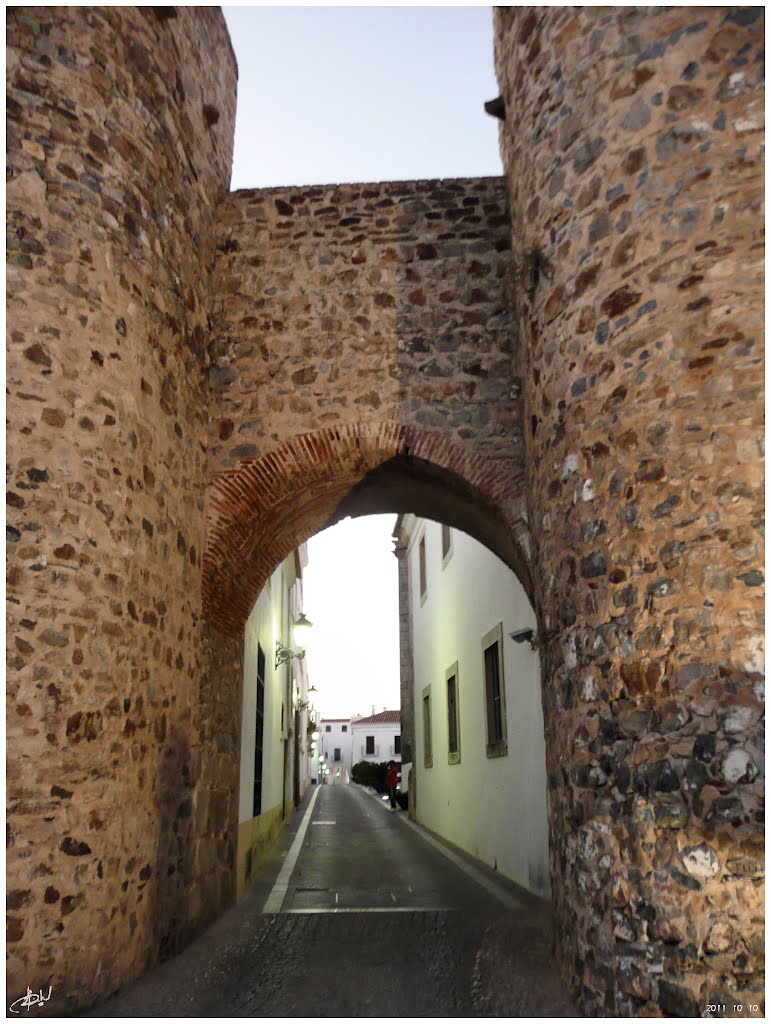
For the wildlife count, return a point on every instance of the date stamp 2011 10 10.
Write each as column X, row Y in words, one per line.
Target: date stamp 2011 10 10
column 730, row 1009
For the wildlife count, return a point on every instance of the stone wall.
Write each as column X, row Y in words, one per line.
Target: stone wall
column 354, row 310
column 121, row 759
column 633, row 149
column 344, row 303
column 178, row 424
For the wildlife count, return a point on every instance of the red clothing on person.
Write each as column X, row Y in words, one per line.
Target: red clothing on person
column 392, row 777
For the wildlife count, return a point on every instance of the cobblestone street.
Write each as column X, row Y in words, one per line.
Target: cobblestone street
column 378, row 920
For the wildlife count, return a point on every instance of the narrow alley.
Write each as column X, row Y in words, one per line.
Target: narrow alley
column 360, row 913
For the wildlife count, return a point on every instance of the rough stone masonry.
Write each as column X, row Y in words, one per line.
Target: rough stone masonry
column 567, row 362
column 633, row 147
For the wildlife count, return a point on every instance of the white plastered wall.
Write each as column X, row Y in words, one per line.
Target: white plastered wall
column 384, row 734
column 495, row 808
column 337, row 739
column 266, row 624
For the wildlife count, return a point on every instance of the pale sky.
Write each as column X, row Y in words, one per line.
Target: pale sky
column 355, row 94
column 351, row 597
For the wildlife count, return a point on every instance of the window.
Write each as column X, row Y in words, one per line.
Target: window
column 258, row 733
column 428, row 759
column 337, row 754
column 345, row 728
column 398, row 744
column 446, row 544
column 422, row 565
column 453, row 716
column 370, row 744
column 495, row 702
column 327, row 728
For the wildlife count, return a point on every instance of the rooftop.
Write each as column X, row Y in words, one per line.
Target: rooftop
column 382, row 718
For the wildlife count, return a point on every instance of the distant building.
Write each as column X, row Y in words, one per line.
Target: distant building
column 335, row 745
column 472, row 701
column 378, row 737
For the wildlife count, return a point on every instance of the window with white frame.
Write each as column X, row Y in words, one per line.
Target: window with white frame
column 428, row 758
column 453, row 715
column 446, row 544
column 495, row 695
column 259, row 725
column 422, row 568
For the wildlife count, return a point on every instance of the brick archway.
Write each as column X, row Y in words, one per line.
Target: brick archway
column 258, row 513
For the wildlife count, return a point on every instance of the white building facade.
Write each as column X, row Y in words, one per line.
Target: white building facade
column 335, row 746
column 275, row 769
column 377, row 737
column 478, row 775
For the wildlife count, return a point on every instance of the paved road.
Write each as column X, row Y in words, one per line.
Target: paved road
column 375, row 919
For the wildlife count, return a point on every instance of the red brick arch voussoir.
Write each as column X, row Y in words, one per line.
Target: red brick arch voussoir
column 261, row 511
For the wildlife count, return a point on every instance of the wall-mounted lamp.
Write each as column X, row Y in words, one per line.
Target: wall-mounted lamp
column 302, row 627
column 301, row 705
column 285, row 653
column 521, row 636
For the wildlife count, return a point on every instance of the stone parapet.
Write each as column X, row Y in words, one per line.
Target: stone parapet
column 356, row 324
column 345, row 302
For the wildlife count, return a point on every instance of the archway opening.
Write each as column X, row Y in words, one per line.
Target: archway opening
column 261, row 515
column 276, row 504
column 269, row 506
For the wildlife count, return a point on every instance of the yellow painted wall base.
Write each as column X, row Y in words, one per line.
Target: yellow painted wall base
column 256, row 838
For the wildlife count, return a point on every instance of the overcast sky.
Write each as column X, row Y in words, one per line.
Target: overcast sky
column 350, row 591
column 346, row 94
column 341, row 94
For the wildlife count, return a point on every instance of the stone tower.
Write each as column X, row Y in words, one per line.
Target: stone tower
column 633, row 147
